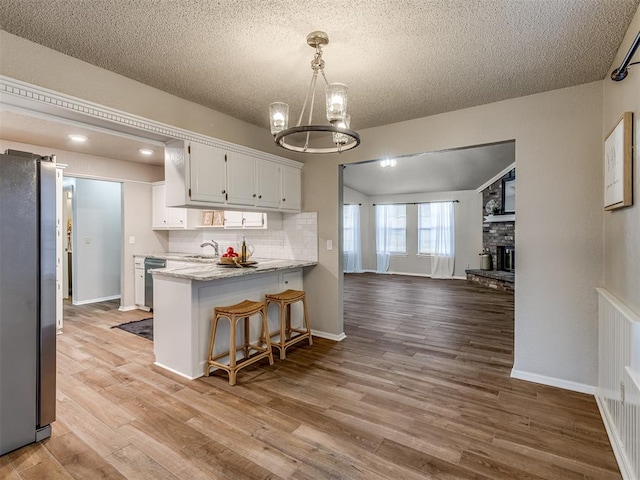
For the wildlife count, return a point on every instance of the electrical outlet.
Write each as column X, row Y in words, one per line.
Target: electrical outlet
column 132, row 240
column 329, row 244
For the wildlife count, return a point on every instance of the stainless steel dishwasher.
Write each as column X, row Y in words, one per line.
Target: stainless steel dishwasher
column 150, row 263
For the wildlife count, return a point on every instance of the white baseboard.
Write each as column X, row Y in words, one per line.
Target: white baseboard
column 425, row 275
column 127, row 309
column 328, row 336
column 96, row 300
column 176, row 372
column 553, row 382
column 616, row 442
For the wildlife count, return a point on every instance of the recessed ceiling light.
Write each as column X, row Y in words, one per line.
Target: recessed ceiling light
column 77, row 138
column 146, row 151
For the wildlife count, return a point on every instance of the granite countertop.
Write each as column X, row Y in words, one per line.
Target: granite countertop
column 183, row 257
column 213, row 271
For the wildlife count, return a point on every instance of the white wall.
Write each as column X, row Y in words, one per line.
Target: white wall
column 622, row 227
column 97, row 245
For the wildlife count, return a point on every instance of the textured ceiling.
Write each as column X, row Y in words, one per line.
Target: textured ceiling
column 451, row 170
column 402, row 59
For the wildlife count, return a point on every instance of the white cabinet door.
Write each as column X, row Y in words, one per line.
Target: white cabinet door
column 176, row 217
column 159, row 211
column 233, row 219
column 139, row 287
column 207, row 173
column 164, row 217
column 253, row 219
column 138, row 291
column 291, row 193
column 241, row 179
column 268, row 181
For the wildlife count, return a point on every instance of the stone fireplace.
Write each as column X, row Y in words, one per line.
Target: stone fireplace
column 498, row 237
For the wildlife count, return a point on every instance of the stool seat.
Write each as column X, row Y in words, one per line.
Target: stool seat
column 286, row 296
column 246, row 307
column 235, row 313
column 286, row 332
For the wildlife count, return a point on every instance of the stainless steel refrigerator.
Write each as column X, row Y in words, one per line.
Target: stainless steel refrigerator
column 27, row 298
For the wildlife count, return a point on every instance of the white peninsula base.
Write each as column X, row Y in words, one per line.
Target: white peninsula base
column 183, row 309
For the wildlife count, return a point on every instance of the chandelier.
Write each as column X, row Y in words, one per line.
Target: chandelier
column 334, row 137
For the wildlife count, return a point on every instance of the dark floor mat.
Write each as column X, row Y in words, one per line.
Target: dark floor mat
column 142, row 328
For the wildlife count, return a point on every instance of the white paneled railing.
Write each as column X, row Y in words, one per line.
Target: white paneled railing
column 618, row 392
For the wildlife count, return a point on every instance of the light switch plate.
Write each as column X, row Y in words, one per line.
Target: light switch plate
column 132, row 240
column 329, row 244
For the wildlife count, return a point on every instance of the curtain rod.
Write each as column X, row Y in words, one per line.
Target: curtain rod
column 621, row 72
column 417, row 203
column 352, row 204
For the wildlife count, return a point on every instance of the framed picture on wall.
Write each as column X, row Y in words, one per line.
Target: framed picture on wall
column 618, row 161
column 509, row 195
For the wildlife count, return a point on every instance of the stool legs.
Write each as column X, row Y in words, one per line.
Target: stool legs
column 234, row 314
column 286, row 331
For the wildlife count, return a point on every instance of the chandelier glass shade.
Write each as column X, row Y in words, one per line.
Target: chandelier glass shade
column 333, row 137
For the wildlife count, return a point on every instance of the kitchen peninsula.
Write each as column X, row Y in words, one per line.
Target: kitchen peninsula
column 184, row 299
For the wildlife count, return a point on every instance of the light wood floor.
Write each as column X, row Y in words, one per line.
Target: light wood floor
column 419, row 389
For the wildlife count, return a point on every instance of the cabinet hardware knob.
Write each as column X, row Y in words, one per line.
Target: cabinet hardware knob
column 254, row 195
column 284, row 199
column 224, row 191
column 259, row 196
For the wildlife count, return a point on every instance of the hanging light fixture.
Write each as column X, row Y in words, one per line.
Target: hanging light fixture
column 334, row 137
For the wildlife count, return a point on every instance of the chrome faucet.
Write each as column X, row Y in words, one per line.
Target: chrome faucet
column 211, row 244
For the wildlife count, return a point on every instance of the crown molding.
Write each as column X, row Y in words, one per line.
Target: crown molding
column 39, row 100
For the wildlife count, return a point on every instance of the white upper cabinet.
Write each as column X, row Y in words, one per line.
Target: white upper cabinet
column 291, row 189
column 268, row 183
column 241, row 179
column 208, row 173
column 164, row 217
column 204, row 176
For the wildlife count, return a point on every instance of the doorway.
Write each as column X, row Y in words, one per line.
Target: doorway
column 92, row 213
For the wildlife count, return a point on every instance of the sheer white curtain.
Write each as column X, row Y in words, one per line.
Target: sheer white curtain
column 383, row 240
column 351, row 244
column 442, row 261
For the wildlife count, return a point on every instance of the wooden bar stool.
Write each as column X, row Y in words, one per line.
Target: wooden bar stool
column 284, row 301
column 234, row 313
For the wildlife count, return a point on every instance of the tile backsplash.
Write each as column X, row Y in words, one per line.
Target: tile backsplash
column 296, row 240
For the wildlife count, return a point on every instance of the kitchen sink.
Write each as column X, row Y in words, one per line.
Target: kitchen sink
column 202, row 256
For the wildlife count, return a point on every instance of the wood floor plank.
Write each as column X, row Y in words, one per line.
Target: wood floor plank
column 419, row 389
column 133, row 463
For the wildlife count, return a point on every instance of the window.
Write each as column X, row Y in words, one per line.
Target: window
column 426, row 232
column 429, row 221
column 351, row 219
column 391, row 225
